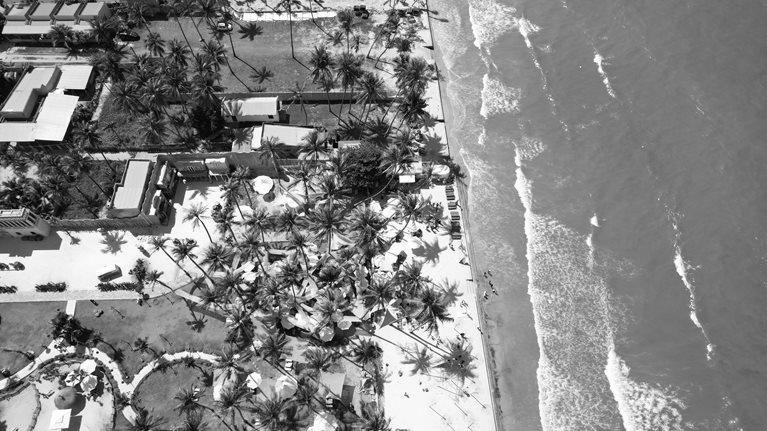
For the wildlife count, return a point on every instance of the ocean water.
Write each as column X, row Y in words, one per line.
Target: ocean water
column 618, row 192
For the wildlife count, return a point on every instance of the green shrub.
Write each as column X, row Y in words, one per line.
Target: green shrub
column 125, row 285
column 8, row 289
column 51, row 287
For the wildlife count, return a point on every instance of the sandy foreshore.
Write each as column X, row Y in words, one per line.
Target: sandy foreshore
column 508, row 324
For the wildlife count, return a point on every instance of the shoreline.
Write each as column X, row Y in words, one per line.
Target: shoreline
column 462, row 192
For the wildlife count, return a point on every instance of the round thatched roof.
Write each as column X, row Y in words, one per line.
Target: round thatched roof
column 66, row 398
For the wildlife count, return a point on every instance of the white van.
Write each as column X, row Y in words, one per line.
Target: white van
column 109, row 272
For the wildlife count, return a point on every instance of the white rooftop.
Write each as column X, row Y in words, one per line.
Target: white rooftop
column 128, row 195
column 54, row 116
column 291, row 136
column 60, row 419
column 250, row 106
column 74, row 76
column 38, row 79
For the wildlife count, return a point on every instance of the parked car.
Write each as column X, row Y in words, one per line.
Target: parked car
column 224, row 26
column 128, row 36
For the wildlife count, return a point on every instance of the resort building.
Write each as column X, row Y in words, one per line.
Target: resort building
column 129, row 193
column 41, row 105
column 33, row 22
column 145, row 192
column 21, row 223
column 251, row 109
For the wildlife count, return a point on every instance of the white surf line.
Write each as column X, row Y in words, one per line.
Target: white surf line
column 600, row 61
column 525, row 29
column 683, row 269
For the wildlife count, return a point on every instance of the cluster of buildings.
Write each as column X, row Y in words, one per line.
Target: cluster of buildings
column 32, row 22
column 40, row 106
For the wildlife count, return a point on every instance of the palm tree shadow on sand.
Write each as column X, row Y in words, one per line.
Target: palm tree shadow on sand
column 113, row 241
column 429, row 252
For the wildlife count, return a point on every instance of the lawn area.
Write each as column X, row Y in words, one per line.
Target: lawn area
column 102, row 175
column 25, row 326
column 156, row 392
column 270, row 49
column 163, row 324
column 119, row 129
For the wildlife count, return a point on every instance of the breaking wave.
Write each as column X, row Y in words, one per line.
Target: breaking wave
column 599, row 60
column 497, row 98
column 489, row 20
column 684, row 269
column 642, row 406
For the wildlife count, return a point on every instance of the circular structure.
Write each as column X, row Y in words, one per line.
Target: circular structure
column 285, row 387
column 66, row 398
column 254, row 380
column 263, row 184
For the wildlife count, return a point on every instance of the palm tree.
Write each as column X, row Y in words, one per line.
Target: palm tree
column 345, row 20
column 231, row 402
column 297, row 95
column 377, row 132
column 158, row 243
column 218, row 257
column 326, row 84
column 108, row 63
column 299, row 242
column 259, row 221
column 318, row 359
column 275, row 150
column 303, row 172
column 144, row 421
column 274, row 347
column 242, row 176
column 421, row 361
column 459, row 361
column 188, row 401
column 225, row 223
column 288, row 6
column 250, row 30
column 86, row 133
column 374, row 419
column 366, row 351
column 60, row 33
column 195, row 213
column 184, row 249
column 78, row 163
column 412, row 108
column 409, row 206
column 250, row 249
column 141, row 345
column 193, row 422
column 269, row 412
column 348, row 72
column 181, row 8
column 325, row 220
column 372, row 92
column 262, row 74
column 433, row 309
column 239, row 327
column 104, row 30
column 152, row 130
column 155, row 44
column 178, row 53
column 322, row 64
column 231, row 193
column 313, row 146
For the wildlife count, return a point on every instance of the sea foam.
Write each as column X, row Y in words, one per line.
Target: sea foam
column 643, row 407
column 600, row 61
column 489, row 20
column 497, row 98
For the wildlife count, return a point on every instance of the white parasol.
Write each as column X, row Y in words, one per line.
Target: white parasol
column 88, row 366
column 254, row 380
column 326, row 334
column 89, row 383
column 263, row 184
column 285, row 387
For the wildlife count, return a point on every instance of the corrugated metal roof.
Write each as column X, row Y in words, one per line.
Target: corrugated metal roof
column 67, row 11
column 38, row 79
column 17, row 13
column 43, row 11
column 92, row 10
column 74, row 76
column 54, row 116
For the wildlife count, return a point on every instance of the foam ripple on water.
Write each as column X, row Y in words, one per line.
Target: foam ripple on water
column 489, row 20
column 498, row 98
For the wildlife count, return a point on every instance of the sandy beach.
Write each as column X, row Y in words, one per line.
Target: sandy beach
column 510, row 336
